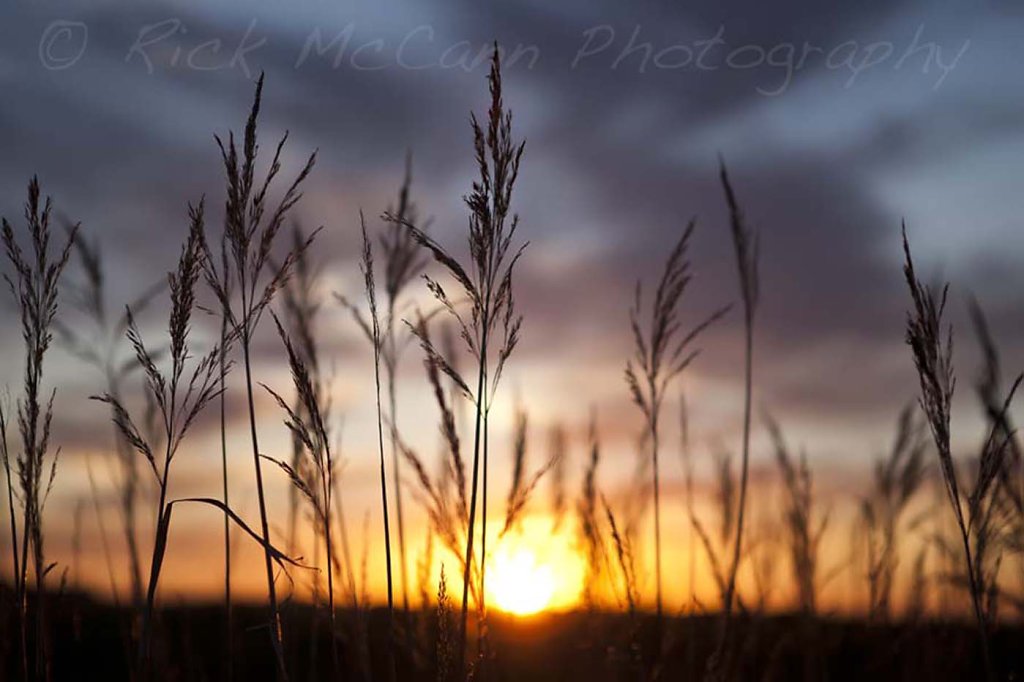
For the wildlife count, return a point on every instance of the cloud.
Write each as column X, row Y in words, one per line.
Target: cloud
column 621, row 153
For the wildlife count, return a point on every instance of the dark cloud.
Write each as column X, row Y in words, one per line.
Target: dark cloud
column 618, row 157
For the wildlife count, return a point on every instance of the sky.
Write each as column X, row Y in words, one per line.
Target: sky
column 838, row 121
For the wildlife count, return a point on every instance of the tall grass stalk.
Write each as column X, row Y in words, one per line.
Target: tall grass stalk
column 686, row 457
column 301, row 308
column 931, row 345
column 403, row 261
column 179, row 397
column 725, row 500
column 15, row 563
column 746, row 248
column 375, row 334
column 493, row 320
column 625, row 559
column 222, row 372
column 897, row 478
column 444, row 499
column 224, row 286
column 249, row 234
column 103, row 351
column 586, row 511
column 34, row 285
column 989, row 390
column 313, row 478
column 803, row 531
column 661, row 353
column 6, row 454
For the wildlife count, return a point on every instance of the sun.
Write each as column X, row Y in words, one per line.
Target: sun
column 531, row 572
column 519, row 584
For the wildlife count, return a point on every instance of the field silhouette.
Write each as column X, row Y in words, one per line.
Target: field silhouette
column 935, row 543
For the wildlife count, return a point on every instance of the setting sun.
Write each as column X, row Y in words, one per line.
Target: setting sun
column 534, row 571
column 521, row 585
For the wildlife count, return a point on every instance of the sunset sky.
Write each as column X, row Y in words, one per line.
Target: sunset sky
column 836, row 124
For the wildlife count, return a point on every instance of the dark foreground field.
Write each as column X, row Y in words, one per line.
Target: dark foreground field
column 90, row 644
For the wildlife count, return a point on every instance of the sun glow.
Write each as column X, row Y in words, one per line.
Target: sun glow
column 534, row 571
column 520, row 585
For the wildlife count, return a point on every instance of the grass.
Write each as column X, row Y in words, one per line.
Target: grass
column 745, row 243
column 313, row 475
column 931, row 345
column 375, row 337
column 803, row 530
column 491, row 332
column 631, row 623
column 34, row 286
column 249, row 236
column 661, row 353
column 180, row 396
column 103, row 350
column 897, row 479
column 403, row 262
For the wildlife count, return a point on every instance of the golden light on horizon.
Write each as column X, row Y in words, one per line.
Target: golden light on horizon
column 534, row 570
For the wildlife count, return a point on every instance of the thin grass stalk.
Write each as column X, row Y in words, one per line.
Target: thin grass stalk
column 10, row 501
column 315, row 617
column 444, row 643
column 627, row 565
column 586, row 510
column 932, row 349
column 361, row 647
column 226, row 333
column 300, row 307
column 249, row 234
column 307, row 422
column 34, row 286
column 661, row 353
column 329, row 546
column 145, row 661
column 371, row 298
column 403, row 262
column 275, row 612
column 104, row 541
column 897, row 478
column 482, row 633
column 558, row 444
column 103, row 353
column 487, row 284
column 746, row 249
column 803, row 532
column 346, row 553
column 477, row 435
column 179, row 397
column 15, row 563
column 129, row 495
column 450, row 521
column 522, row 487
column 686, row 455
column 222, row 369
